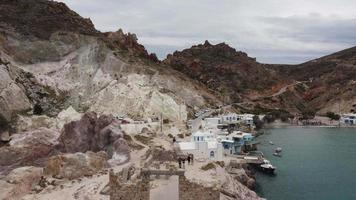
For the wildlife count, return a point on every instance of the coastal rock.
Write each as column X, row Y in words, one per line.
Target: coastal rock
column 28, row 147
column 19, row 182
column 237, row 190
column 76, row 165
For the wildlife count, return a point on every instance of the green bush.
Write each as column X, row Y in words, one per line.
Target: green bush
column 332, row 116
column 208, row 166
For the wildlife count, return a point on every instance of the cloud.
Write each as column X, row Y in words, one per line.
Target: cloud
column 274, row 31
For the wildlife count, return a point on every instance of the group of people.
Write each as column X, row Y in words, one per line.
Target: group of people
column 189, row 159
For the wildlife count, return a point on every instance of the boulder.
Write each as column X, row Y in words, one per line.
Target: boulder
column 90, row 133
column 28, row 123
column 28, row 147
column 12, row 98
column 76, row 165
column 19, row 182
column 4, row 136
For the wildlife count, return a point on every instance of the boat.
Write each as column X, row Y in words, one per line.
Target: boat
column 278, row 150
column 267, row 167
column 277, row 154
column 271, row 143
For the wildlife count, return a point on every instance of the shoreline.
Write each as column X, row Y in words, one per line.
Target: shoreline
column 280, row 124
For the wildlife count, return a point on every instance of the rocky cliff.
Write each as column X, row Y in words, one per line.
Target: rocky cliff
column 230, row 73
column 330, row 81
column 51, row 58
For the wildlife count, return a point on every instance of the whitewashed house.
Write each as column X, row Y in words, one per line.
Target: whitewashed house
column 348, row 119
column 211, row 122
column 227, row 119
column 203, row 145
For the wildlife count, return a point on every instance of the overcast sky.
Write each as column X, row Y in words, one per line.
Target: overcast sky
column 273, row 31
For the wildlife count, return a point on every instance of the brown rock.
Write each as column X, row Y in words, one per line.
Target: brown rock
column 76, row 165
column 28, row 148
column 22, row 180
column 92, row 133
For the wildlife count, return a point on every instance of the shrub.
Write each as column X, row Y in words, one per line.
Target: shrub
column 143, row 139
column 220, row 163
column 208, row 166
column 332, row 116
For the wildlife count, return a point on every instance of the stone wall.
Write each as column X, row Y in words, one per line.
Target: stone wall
column 192, row 191
column 140, row 189
column 119, row 190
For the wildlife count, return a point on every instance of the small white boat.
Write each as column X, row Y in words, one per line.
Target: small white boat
column 267, row 167
column 277, row 154
column 271, row 143
column 278, row 150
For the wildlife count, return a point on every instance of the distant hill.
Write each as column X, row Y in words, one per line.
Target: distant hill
column 240, row 80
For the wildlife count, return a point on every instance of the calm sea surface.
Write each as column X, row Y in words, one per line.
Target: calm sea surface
column 317, row 164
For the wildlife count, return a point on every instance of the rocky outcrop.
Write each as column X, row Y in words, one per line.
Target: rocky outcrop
column 76, row 165
column 233, row 189
column 223, row 69
column 93, row 133
column 28, row 148
column 127, row 44
column 19, row 182
column 12, row 98
column 22, row 16
column 90, row 133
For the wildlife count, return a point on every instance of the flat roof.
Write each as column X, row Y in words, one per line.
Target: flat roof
column 186, row 145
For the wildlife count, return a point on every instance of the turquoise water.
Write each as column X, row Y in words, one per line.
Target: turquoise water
column 317, row 164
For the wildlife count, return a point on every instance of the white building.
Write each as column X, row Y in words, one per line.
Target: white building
column 348, row 119
column 203, row 145
column 230, row 118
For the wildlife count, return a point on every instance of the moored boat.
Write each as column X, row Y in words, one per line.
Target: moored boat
column 267, row 167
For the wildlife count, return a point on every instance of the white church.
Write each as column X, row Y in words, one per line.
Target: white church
column 203, row 145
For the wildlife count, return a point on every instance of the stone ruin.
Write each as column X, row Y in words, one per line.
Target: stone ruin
column 125, row 186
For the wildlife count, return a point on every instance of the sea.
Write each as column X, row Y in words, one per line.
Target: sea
column 316, row 164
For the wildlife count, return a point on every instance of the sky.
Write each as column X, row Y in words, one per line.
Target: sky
column 273, row 31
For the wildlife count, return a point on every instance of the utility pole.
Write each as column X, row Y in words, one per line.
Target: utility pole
column 161, row 122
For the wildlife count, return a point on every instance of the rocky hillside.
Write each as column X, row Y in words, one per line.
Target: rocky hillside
column 237, row 78
column 51, row 58
column 240, row 80
column 331, row 81
column 230, row 73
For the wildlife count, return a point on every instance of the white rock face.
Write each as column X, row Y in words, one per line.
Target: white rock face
column 138, row 97
column 92, row 78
